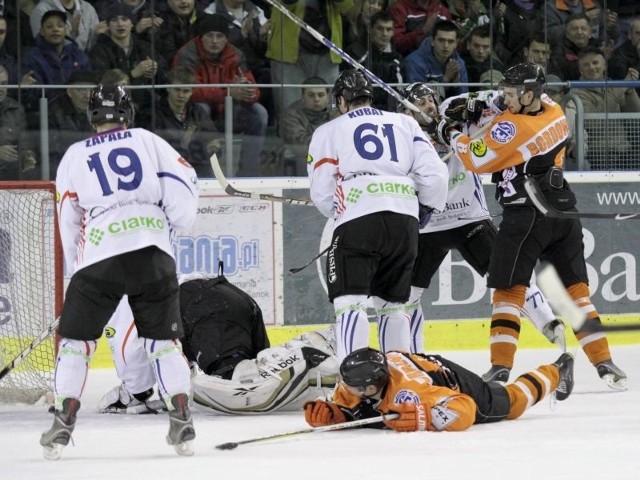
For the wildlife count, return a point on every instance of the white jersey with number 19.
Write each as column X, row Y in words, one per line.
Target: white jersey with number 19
column 119, row 191
column 369, row 160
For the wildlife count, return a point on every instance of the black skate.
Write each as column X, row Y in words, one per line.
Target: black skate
column 181, row 431
column 565, row 386
column 615, row 378
column 58, row 436
column 497, row 373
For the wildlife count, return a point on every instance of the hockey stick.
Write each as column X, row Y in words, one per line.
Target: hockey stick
column 32, row 346
column 230, row 190
column 553, row 288
column 541, row 203
column 345, row 56
column 328, row 428
column 299, row 269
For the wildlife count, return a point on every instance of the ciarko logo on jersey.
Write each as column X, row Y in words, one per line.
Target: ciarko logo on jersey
column 478, row 148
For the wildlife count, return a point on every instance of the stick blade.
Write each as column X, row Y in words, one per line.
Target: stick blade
column 227, row 446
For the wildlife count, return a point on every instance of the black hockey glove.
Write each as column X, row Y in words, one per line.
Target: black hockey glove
column 441, row 130
column 465, row 109
column 474, row 109
column 424, row 215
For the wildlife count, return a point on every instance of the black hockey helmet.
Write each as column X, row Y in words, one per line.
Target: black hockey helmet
column 364, row 367
column 527, row 76
column 417, row 90
column 352, row 84
column 110, row 104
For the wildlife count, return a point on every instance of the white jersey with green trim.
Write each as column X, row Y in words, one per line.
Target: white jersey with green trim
column 369, row 160
column 466, row 202
column 119, row 191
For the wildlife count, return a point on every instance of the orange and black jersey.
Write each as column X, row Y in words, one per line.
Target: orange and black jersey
column 424, row 380
column 514, row 146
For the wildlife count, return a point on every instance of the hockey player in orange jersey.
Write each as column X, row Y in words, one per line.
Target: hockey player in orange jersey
column 529, row 139
column 432, row 393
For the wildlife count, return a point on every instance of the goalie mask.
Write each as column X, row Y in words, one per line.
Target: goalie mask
column 110, row 104
column 364, row 367
column 352, row 84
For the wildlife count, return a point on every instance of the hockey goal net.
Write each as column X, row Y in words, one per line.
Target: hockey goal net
column 31, row 286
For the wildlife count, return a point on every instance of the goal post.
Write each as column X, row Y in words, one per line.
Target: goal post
column 31, row 286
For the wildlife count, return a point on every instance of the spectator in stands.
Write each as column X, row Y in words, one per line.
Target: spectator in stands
column 300, row 120
column 521, row 20
column 17, row 155
column 603, row 23
column 538, row 51
column 296, row 55
column 115, row 77
column 7, row 60
column 18, row 13
column 144, row 15
column 68, row 122
column 184, row 124
column 564, row 54
column 468, row 15
column 119, row 48
column 54, row 58
column 609, row 145
column 414, row 20
column 248, row 31
column 627, row 11
column 214, row 61
column 178, row 20
column 627, row 55
column 479, row 56
column 380, row 57
column 82, row 20
column 437, row 60
column 357, row 20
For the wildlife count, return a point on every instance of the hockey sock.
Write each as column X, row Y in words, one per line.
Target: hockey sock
column 530, row 388
column 72, row 367
column 416, row 320
column 505, row 324
column 352, row 324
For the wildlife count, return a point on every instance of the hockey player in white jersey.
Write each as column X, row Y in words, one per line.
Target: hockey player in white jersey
column 120, row 195
column 234, row 368
column 377, row 175
column 465, row 224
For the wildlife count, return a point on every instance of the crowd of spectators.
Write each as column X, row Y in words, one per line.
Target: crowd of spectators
column 456, row 45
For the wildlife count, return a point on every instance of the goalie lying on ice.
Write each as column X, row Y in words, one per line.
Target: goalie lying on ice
column 235, row 370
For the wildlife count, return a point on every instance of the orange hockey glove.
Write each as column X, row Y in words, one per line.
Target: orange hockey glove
column 321, row 413
column 413, row 417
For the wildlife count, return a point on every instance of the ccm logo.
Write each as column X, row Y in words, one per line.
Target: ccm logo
column 255, row 208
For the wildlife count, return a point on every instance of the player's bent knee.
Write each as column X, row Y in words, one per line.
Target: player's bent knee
column 350, row 302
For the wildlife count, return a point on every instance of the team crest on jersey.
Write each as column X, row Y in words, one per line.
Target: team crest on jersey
column 478, row 148
column 109, row 332
column 503, row 132
column 406, row 396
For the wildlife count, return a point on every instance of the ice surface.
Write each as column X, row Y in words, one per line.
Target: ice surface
column 595, row 434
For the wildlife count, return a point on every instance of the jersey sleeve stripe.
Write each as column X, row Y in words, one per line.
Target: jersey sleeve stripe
column 175, row 177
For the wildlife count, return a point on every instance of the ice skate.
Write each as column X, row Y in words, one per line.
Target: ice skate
column 181, row 431
column 554, row 331
column 615, row 378
column 58, row 436
column 565, row 386
column 497, row 373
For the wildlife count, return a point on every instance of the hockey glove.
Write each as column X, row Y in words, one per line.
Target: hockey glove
column 424, row 215
column 320, row 413
column 456, row 110
column 413, row 417
column 474, row 109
